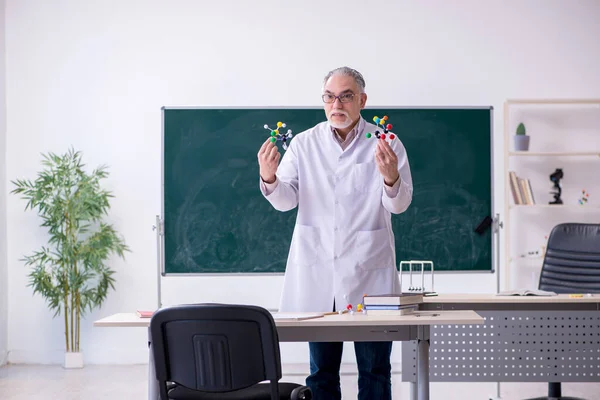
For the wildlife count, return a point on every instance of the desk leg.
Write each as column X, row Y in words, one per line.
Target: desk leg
column 413, row 391
column 423, row 362
column 153, row 393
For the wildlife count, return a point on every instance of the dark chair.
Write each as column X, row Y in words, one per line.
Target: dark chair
column 219, row 351
column 571, row 265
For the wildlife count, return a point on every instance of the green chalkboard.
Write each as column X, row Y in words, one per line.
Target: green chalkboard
column 216, row 220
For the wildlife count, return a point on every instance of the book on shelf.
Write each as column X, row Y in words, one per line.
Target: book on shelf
column 514, row 188
column 526, row 292
column 530, row 191
column 524, row 186
column 393, row 299
column 521, row 190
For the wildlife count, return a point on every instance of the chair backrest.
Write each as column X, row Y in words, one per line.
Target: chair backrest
column 572, row 260
column 215, row 347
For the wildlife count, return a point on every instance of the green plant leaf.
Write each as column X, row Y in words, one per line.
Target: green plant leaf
column 71, row 273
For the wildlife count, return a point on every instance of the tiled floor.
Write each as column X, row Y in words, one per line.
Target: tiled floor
column 37, row 382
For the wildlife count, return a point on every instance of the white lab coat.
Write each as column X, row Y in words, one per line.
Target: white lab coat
column 343, row 245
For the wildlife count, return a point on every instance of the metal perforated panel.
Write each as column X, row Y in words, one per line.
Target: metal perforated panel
column 531, row 346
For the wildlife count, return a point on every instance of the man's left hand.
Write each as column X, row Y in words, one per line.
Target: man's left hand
column 387, row 162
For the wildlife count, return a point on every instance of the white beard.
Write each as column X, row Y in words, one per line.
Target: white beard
column 341, row 125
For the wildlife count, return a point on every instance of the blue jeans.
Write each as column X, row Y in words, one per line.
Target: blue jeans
column 374, row 370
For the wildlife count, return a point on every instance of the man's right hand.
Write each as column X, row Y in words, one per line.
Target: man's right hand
column 268, row 161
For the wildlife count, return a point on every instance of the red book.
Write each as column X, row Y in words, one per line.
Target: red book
column 144, row 314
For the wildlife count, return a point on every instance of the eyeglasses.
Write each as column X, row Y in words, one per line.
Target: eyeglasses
column 344, row 98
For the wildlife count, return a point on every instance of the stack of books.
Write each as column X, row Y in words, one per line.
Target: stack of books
column 521, row 190
column 392, row 304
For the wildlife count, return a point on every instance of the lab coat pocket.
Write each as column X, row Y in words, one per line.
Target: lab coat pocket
column 306, row 244
column 366, row 177
column 373, row 249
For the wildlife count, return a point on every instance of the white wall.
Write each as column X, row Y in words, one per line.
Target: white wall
column 95, row 74
column 3, row 266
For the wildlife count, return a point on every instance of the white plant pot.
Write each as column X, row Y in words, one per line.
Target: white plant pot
column 521, row 142
column 73, row 360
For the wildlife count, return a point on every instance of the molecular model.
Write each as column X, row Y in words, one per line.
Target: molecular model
column 584, row 197
column 280, row 136
column 381, row 122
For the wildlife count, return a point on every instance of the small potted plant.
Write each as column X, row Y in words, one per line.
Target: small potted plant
column 72, row 271
column 521, row 138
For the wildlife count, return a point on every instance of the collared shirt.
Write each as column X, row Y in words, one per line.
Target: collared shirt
column 344, row 143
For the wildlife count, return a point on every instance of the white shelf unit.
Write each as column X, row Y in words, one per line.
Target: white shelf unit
column 564, row 133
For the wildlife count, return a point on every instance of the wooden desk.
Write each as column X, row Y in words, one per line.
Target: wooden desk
column 357, row 327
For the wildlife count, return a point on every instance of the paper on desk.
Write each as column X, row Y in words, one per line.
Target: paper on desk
column 298, row 316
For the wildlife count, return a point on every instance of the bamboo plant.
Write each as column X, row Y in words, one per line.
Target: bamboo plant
column 72, row 271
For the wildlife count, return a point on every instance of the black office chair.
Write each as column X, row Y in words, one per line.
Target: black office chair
column 571, row 265
column 219, row 351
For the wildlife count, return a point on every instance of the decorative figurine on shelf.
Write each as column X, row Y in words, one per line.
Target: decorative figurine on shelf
column 359, row 308
column 349, row 308
column 555, row 177
column 279, row 136
column 584, row 197
column 382, row 123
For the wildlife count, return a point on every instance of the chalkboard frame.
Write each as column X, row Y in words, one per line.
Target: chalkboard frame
column 159, row 224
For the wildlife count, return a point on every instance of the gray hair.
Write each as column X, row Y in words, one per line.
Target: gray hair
column 347, row 71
